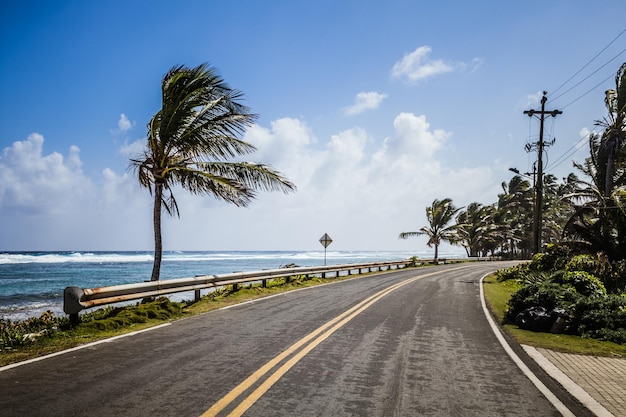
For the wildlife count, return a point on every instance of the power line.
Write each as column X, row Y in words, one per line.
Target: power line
column 589, row 76
column 589, row 91
column 589, row 62
column 571, row 151
column 577, row 146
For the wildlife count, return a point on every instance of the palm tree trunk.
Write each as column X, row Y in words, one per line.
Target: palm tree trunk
column 158, row 242
column 436, row 252
column 610, row 171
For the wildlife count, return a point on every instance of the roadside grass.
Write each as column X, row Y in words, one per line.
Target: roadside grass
column 497, row 295
column 108, row 322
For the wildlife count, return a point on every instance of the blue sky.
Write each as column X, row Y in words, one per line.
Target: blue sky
column 373, row 109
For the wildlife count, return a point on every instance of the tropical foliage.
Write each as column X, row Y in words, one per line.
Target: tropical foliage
column 190, row 143
column 577, row 282
column 439, row 229
column 587, row 212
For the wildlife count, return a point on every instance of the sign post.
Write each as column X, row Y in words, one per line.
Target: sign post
column 325, row 241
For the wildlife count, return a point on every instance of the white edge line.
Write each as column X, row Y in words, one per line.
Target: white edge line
column 51, row 355
column 111, row 339
column 571, row 386
column 520, row 364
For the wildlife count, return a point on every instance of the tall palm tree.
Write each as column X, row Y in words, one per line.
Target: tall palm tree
column 190, row 141
column 599, row 219
column 597, row 224
column 515, row 207
column 475, row 229
column 614, row 135
column 556, row 208
column 439, row 216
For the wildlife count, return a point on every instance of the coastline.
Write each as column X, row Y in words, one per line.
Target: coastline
column 33, row 282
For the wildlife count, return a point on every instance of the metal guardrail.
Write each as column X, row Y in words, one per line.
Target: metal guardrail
column 76, row 299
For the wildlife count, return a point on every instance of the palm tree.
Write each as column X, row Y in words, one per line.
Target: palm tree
column 597, row 224
column 439, row 215
column 614, row 134
column 599, row 219
column 190, row 141
column 515, row 216
column 556, row 208
column 475, row 229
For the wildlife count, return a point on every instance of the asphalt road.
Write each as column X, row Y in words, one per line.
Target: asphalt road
column 407, row 343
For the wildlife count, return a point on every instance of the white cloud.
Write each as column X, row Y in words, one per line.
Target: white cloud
column 365, row 101
column 47, row 203
column 124, row 124
column 416, row 65
column 534, row 99
column 361, row 190
column 133, row 149
column 37, row 183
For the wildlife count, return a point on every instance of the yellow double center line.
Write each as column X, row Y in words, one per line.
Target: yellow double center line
column 313, row 339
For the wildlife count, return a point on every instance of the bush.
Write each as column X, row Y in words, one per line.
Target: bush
column 548, row 295
column 554, row 258
column 119, row 317
column 20, row 333
column 600, row 318
column 514, row 272
column 613, row 276
column 584, row 263
column 584, row 283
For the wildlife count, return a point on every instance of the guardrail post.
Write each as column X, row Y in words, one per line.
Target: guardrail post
column 263, row 283
column 76, row 299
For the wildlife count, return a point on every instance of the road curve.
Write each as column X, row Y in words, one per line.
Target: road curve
column 412, row 342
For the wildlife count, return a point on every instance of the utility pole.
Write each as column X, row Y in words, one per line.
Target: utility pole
column 539, row 183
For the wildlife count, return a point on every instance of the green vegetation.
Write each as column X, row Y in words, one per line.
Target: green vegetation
column 560, row 293
column 576, row 284
column 47, row 334
column 498, row 293
column 439, row 216
column 588, row 214
column 190, row 141
column 22, row 340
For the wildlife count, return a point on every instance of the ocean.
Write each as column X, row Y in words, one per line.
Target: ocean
column 33, row 282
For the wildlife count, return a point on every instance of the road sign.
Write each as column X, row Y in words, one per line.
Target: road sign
column 325, row 240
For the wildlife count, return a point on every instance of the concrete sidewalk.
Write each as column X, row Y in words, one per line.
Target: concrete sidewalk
column 597, row 382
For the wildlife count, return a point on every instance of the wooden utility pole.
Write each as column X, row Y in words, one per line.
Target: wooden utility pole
column 537, row 223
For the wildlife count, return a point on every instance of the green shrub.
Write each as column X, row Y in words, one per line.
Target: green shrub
column 514, row 272
column 554, row 258
column 548, row 295
column 119, row 317
column 584, row 283
column 613, row 276
column 600, row 318
column 584, row 263
column 24, row 332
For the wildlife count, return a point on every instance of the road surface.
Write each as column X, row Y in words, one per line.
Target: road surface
column 411, row 342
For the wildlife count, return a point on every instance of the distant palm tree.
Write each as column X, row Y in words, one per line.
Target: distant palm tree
column 190, row 141
column 474, row 229
column 614, row 135
column 514, row 217
column 439, row 215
